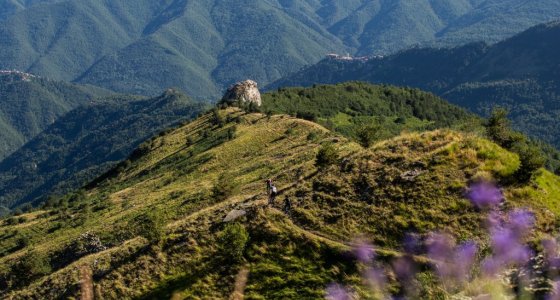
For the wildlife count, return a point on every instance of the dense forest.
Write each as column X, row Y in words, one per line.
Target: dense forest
column 30, row 104
column 145, row 46
column 86, row 142
column 518, row 74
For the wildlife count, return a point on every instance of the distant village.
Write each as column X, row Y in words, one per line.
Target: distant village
column 22, row 75
column 349, row 58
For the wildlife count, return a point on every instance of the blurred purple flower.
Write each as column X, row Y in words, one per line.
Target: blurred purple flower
column 412, row 244
column 485, row 195
column 551, row 253
column 375, row 278
column 555, row 291
column 452, row 263
column 337, row 292
column 521, row 221
column 364, row 252
column 490, row 267
column 405, row 269
column 464, row 258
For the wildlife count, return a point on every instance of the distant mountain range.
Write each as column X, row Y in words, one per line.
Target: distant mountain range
column 520, row 74
column 202, row 47
column 86, row 142
column 29, row 104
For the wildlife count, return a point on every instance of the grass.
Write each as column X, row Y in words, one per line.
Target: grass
column 286, row 257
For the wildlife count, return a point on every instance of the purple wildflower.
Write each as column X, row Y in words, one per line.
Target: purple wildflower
column 375, row 278
column 521, row 221
column 405, row 269
column 364, row 252
column 555, row 292
column 412, row 244
column 452, row 263
column 485, row 195
column 337, row 292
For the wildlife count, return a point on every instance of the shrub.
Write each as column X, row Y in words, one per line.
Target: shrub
column 232, row 242
column 224, row 187
column 31, row 266
column 531, row 160
column 367, row 135
column 326, row 156
column 149, row 225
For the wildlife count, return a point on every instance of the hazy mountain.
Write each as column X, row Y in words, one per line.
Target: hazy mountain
column 146, row 46
column 520, row 73
column 87, row 142
column 29, row 104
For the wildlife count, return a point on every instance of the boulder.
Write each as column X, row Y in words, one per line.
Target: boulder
column 243, row 92
column 234, row 215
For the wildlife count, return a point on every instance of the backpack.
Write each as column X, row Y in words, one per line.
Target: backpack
column 274, row 190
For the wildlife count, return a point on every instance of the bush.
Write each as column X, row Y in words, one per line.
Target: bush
column 224, row 187
column 232, row 242
column 31, row 266
column 149, row 225
column 531, row 160
column 326, row 156
column 367, row 135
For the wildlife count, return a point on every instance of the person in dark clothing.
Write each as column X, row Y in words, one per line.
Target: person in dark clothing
column 287, row 205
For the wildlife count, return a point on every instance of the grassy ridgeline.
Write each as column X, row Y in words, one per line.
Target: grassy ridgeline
column 171, row 182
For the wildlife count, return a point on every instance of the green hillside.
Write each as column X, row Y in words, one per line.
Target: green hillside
column 28, row 106
column 87, row 142
column 153, row 227
column 518, row 74
column 143, row 47
column 349, row 107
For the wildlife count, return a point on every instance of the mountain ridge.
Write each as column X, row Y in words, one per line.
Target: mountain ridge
column 204, row 47
column 518, row 74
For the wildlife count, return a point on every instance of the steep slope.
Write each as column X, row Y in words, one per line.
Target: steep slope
column 85, row 143
column 185, row 182
column 29, row 104
column 202, row 47
column 519, row 73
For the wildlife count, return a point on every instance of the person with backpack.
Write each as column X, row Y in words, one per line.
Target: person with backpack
column 272, row 195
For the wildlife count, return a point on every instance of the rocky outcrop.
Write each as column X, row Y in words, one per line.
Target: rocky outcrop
column 243, row 92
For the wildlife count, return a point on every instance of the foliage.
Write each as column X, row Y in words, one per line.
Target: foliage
column 364, row 111
column 149, row 225
column 31, row 266
column 87, row 142
column 232, row 241
column 419, row 179
column 28, row 107
column 143, row 47
column 475, row 76
column 498, row 129
column 327, row 156
column 224, row 187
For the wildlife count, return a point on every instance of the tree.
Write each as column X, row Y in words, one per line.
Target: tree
column 232, row 242
column 498, row 128
column 326, row 156
column 531, row 159
column 224, row 187
column 367, row 134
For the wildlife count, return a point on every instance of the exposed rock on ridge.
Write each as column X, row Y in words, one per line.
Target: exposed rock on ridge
column 243, row 92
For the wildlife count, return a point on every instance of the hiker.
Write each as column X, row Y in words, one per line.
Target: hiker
column 268, row 186
column 272, row 195
column 287, row 205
